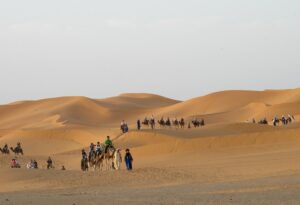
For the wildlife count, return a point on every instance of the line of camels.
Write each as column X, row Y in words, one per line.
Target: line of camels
column 276, row 121
column 98, row 161
column 17, row 150
column 163, row 123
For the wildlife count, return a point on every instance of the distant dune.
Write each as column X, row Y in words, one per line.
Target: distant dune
column 227, row 156
column 78, row 111
column 218, row 107
column 237, row 106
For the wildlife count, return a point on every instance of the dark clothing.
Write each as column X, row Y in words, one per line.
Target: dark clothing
column 128, row 161
column 84, row 155
column 92, row 148
column 35, row 164
column 138, row 124
column 49, row 163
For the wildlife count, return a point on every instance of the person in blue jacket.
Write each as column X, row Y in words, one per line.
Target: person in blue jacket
column 128, row 159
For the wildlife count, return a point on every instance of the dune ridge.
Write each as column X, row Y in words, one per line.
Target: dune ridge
column 231, row 106
column 227, row 158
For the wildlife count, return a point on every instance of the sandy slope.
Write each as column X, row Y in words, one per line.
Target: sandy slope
column 228, row 161
column 227, row 106
column 236, row 105
column 189, row 166
column 57, row 112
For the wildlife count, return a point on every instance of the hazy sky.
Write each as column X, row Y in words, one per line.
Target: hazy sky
column 176, row 48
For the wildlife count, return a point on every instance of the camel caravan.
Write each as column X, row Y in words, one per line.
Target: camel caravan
column 277, row 121
column 168, row 123
column 14, row 163
column 104, row 157
column 100, row 157
column 17, row 150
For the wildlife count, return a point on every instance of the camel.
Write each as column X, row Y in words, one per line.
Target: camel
column 161, row 122
column 152, row 123
column 168, row 122
column 182, row 123
column 96, row 161
column 84, row 165
column 263, row 122
column 284, row 120
column 276, row 121
column 198, row 123
column 109, row 157
column 4, row 150
column 176, row 123
column 146, row 122
column 17, row 150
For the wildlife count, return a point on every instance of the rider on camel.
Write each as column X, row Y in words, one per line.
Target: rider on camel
column 5, row 149
column 84, row 155
column 108, row 144
column 98, row 148
column 92, row 149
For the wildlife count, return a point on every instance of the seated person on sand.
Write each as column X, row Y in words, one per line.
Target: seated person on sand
column 63, row 168
column 14, row 164
column 35, row 164
column 108, row 144
column 30, row 165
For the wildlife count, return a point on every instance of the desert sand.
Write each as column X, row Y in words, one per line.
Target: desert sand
column 228, row 161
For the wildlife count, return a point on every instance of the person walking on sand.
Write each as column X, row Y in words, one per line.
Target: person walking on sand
column 128, row 160
column 117, row 159
column 49, row 163
column 138, row 124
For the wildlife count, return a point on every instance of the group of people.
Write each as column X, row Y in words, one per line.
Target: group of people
column 15, row 163
column 284, row 120
column 124, row 126
column 32, row 165
column 99, row 149
column 275, row 121
column 178, row 123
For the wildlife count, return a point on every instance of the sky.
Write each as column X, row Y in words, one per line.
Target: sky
column 179, row 49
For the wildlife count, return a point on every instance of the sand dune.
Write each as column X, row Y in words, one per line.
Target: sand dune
column 56, row 112
column 228, row 101
column 228, row 159
column 228, row 106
